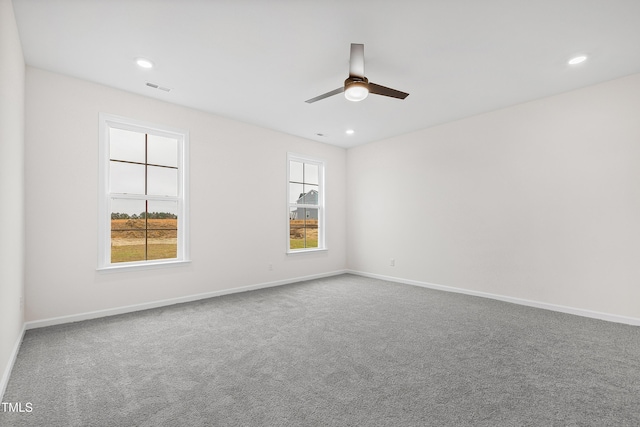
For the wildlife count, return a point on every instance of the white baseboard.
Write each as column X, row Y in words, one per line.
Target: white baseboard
column 4, row 381
column 162, row 303
column 537, row 304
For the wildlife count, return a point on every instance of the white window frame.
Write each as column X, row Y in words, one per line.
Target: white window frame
column 108, row 121
column 322, row 246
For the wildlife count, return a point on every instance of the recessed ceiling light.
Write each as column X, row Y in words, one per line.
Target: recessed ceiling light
column 577, row 60
column 144, row 63
column 350, row 131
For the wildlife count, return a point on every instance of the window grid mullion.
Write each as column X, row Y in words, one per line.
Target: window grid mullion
column 144, row 163
column 305, row 205
column 146, row 202
column 142, row 197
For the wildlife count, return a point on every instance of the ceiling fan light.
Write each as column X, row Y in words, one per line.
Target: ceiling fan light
column 356, row 91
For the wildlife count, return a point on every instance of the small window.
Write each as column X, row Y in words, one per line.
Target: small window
column 143, row 200
column 305, row 192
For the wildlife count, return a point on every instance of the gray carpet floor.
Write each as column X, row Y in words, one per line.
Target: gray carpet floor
column 341, row 351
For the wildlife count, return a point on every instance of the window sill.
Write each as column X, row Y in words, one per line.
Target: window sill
column 306, row 251
column 115, row 268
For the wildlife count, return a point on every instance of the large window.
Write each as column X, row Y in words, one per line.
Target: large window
column 142, row 194
column 305, row 189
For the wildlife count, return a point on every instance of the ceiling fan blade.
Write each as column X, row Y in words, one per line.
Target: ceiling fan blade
column 356, row 61
column 325, row 95
column 386, row 91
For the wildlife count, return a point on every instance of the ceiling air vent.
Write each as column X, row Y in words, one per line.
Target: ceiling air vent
column 155, row 86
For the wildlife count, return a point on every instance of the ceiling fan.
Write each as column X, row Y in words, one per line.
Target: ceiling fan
column 356, row 86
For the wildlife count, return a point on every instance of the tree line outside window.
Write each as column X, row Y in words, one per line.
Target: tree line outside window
column 143, row 215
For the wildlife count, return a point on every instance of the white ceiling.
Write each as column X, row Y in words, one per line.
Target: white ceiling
column 257, row 61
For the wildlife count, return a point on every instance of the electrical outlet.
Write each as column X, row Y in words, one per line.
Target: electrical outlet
column 21, row 303
column 392, row 263
column 270, row 267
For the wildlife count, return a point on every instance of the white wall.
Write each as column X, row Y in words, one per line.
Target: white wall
column 238, row 202
column 540, row 201
column 11, row 188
